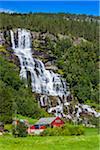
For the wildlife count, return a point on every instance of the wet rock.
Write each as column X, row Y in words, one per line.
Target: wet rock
column 2, row 40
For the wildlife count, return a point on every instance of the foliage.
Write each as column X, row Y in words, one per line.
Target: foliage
column 79, row 65
column 20, row 130
column 76, row 25
column 9, row 74
column 27, row 105
column 95, row 121
column 64, row 130
column 8, row 127
column 6, row 101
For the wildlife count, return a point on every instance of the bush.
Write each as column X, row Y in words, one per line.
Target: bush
column 67, row 129
column 75, row 130
column 20, row 130
column 95, row 121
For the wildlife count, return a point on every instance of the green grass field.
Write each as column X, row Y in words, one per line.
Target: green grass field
column 89, row 141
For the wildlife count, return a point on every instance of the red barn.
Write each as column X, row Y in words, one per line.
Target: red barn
column 43, row 123
column 49, row 122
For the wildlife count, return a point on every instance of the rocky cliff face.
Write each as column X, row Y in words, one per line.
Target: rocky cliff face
column 40, row 45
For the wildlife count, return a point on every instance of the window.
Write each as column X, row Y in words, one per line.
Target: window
column 57, row 121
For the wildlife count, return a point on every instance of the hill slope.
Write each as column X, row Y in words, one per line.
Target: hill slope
column 67, row 44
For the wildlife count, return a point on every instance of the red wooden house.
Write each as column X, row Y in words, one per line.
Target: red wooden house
column 49, row 122
column 43, row 123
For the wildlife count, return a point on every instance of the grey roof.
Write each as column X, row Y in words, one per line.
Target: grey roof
column 44, row 121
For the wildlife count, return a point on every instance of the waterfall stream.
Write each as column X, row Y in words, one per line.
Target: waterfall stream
column 45, row 82
column 42, row 81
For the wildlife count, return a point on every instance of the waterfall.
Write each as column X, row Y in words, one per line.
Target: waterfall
column 42, row 81
column 45, row 82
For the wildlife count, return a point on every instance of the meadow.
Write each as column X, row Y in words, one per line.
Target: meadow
column 88, row 141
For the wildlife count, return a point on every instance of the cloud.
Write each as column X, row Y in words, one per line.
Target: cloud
column 6, row 10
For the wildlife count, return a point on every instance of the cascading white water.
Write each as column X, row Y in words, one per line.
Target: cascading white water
column 43, row 81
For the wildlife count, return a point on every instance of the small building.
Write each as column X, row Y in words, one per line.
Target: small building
column 49, row 122
column 43, row 123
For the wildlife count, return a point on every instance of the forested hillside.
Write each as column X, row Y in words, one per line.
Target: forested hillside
column 67, row 24
column 69, row 42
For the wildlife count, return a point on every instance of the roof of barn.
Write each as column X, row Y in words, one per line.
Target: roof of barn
column 44, row 121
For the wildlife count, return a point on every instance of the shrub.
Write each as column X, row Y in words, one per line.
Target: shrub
column 74, row 129
column 95, row 121
column 20, row 130
column 67, row 129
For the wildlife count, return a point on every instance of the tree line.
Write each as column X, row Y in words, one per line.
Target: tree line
column 76, row 25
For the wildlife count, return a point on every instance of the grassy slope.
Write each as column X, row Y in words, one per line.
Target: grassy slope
column 87, row 142
column 30, row 120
